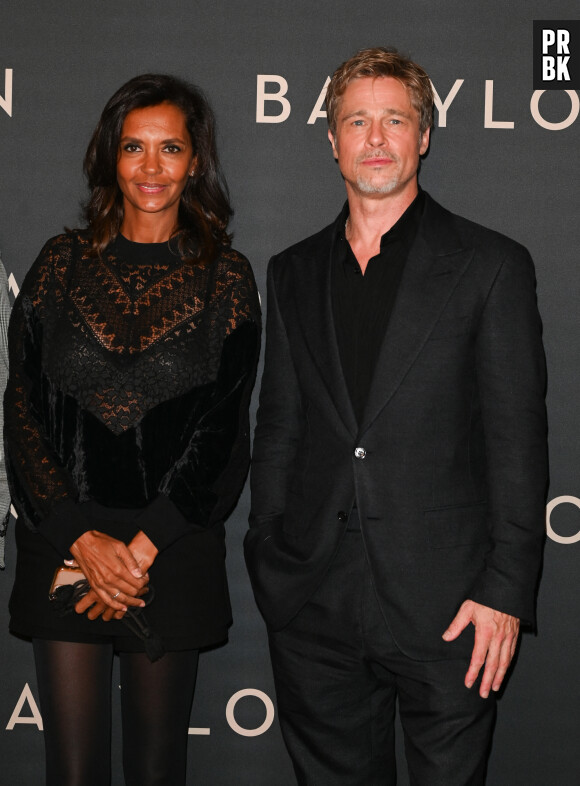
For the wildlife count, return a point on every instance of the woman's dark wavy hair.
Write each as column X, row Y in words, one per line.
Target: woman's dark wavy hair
column 204, row 208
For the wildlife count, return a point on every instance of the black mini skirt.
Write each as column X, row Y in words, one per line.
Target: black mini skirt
column 190, row 609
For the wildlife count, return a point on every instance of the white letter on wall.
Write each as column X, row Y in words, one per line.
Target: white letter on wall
column 12, row 285
column 318, row 111
column 262, row 97
column 269, row 719
column 6, row 101
column 441, row 106
column 489, row 122
column 535, row 110
column 35, row 718
column 549, row 508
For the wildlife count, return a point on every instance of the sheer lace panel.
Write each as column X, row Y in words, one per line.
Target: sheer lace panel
column 126, row 336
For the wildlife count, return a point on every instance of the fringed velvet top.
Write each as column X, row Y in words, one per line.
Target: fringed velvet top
column 130, row 378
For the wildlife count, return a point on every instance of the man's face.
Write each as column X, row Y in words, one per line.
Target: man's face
column 378, row 143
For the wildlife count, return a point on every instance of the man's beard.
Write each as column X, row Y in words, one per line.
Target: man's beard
column 367, row 186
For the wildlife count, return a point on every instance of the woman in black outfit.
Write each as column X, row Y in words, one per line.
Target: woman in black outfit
column 133, row 349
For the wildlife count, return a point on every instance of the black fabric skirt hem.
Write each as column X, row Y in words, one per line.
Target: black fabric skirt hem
column 129, row 643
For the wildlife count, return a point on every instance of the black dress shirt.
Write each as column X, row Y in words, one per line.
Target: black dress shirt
column 362, row 304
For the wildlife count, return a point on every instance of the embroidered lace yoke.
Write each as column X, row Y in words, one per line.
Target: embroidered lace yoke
column 129, row 384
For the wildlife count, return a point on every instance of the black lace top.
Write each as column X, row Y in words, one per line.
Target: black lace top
column 129, row 385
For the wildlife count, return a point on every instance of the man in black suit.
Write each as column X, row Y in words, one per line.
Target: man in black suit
column 399, row 471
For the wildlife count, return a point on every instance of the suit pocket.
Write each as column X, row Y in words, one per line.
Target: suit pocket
column 457, row 525
column 450, row 327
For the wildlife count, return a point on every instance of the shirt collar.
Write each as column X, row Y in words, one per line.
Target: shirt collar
column 405, row 228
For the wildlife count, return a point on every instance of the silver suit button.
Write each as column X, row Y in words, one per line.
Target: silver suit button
column 360, row 453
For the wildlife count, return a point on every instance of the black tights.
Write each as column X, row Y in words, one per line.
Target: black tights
column 74, row 684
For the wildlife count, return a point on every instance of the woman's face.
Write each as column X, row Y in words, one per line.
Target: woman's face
column 154, row 162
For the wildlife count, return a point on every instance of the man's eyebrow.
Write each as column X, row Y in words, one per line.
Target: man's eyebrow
column 386, row 111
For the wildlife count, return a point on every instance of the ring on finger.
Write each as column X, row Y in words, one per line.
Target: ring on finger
column 116, row 595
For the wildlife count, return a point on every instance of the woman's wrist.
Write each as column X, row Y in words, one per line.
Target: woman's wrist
column 144, row 550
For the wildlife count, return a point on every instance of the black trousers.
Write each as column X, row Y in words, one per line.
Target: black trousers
column 338, row 676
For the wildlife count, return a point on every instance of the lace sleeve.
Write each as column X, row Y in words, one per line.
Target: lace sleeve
column 38, row 480
column 206, row 480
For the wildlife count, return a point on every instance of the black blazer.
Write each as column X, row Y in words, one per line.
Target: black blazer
column 450, row 485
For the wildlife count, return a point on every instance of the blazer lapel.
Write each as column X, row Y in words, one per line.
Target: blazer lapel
column 314, row 305
column 432, row 271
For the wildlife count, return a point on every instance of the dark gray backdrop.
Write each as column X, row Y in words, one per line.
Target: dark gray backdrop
column 67, row 58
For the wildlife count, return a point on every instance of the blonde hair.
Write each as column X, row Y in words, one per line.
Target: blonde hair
column 379, row 62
